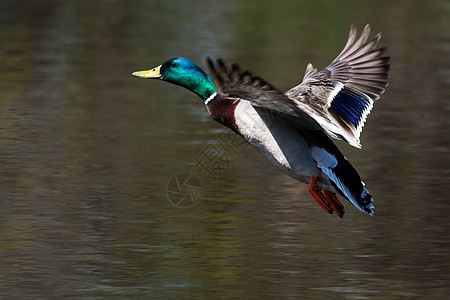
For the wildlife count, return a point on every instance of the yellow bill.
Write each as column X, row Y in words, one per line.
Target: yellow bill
column 153, row 73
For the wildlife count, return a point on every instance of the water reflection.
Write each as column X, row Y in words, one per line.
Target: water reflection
column 87, row 152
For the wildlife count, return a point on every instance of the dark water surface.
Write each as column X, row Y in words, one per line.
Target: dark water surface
column 90, row 208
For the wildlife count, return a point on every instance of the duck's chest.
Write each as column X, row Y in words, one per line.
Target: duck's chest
column 275, row 138
column 222, row 110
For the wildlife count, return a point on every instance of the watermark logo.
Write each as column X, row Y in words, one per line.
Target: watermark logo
column 184, row 190
column 213, row 160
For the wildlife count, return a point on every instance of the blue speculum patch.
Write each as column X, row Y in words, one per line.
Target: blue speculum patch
column 351, row 105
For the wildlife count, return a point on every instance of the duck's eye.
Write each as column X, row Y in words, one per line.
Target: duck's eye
column 172, row 64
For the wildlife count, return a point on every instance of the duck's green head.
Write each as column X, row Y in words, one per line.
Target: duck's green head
column 184, row 72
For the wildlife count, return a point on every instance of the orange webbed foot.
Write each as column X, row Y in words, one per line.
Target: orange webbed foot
column 327, row 200
column 337, row 206
column 316, row 192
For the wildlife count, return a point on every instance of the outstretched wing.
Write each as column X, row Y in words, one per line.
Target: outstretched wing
column 235, row 83
column 341, row 96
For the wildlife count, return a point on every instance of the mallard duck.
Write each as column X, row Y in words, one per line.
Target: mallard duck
column 293, row 129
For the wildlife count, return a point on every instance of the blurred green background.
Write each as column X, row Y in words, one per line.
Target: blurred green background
column 88, row 154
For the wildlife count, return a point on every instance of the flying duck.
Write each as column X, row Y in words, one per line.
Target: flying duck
column 293, row 129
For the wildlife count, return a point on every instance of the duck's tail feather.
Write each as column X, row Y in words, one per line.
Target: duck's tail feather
column 344, row 178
